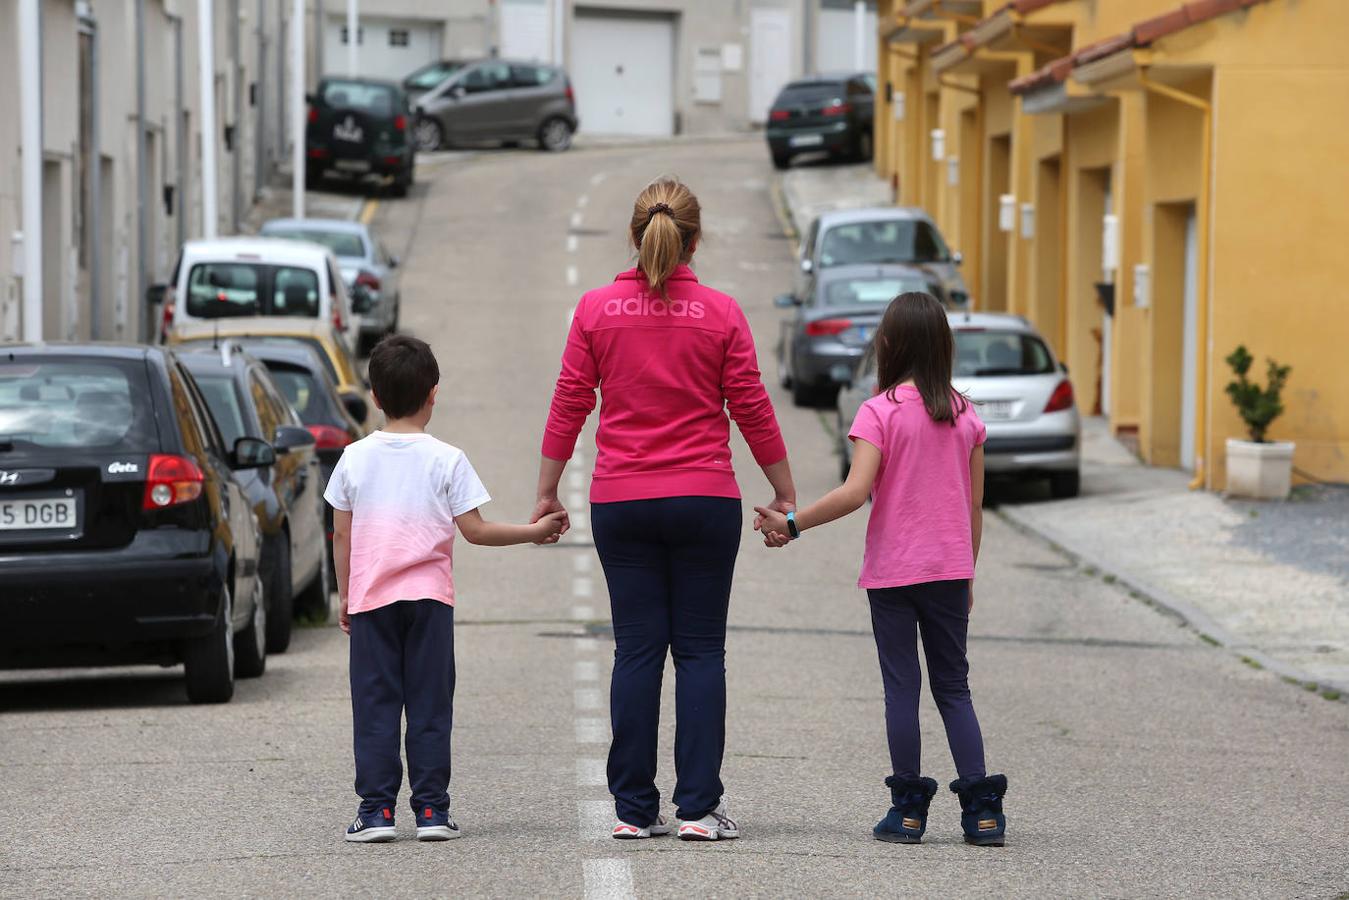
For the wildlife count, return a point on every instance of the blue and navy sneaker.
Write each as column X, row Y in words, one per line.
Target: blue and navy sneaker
column 372, row 828
column 436, row 825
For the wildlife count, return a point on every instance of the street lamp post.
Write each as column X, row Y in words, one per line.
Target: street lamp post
column 30, row 116
column 353, row 38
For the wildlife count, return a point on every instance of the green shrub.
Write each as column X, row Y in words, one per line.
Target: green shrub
column 1257, row 406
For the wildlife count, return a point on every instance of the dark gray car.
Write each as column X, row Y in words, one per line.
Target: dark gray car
column 832, row 323
column 498, row 101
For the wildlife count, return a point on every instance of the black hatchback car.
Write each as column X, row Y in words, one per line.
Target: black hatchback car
column 359, row 128
column 125, row 536
column 286, row 496
column 826, row 113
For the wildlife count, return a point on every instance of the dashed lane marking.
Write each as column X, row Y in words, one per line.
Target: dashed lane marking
column 572, row 243
column 608, row 879
column 592, row 731
column 572, row 276
column 583, row 201
column 586, row 670
column 598, row 178
column 581, row 563
column 583, row 612
column 590, row 772
column 576, row 220
column 588, row 698
column 586, row 644
column 582, row 587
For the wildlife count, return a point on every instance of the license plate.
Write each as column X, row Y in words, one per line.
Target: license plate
column 352, row 165
column 38, row 514
column 996, row 409
column 862, row 334
column 806, row 140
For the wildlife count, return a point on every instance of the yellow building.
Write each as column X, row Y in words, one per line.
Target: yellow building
column 1152, row 183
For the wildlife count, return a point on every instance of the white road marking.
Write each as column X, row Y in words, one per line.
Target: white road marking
column 586, row 670
column 582, row 563
column 582, row 587
column 578, row 521
column 595, row 819
column 592, row 731
column 586, row 644
column 571, row 314
column 576, row 220
column 608, row 879
column 583, row 201
column 579, row 457
column 572, row 276
column 572, row 243
column 598, row 177
column 588, row 698
column 576, row 500
column 583, row 613
column 576, row 479
column 591, row 772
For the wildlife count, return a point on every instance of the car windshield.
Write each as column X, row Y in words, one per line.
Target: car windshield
column 987, row 354
column 810, row 93
column 304, row 392
column 345, row 244
column 432, row 75
column 861, row 291
column 376, row 99
column 222, row 290
column 252, row 341
column 73, row 403
column 222, row 397
column 883, row 241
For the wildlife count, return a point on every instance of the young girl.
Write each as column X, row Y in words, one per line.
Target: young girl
column 918, row 451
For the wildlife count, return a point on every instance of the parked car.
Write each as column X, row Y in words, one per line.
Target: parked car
column 429, row 77
column 1019, row 389
column 228, row 278
column 831, row 325
column 830, row 113
column 358, row 127
column 495, row 100
column 368, row 269
column 286, row 496
column 352, row 388
column 882, row 235
column 125, row 534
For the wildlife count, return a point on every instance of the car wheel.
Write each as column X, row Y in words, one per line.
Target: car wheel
column 280, row 600
column 250, row 645
column 844, row 460
column 781, row 160
column 313, row 600
column 1063, row 485
column 555, row 135
column 313, row 178
column 209, row 659
column 814, row 396
column 402, row 183
column 428, row 135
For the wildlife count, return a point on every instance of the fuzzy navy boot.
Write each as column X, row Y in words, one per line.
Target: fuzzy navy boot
column 907, row 819
column 981, row 809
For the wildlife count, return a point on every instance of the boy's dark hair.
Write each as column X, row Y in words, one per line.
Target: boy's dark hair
column 402, row 372
column 915, row 341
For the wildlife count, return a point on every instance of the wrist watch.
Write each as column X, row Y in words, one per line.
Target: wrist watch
column 792, row 530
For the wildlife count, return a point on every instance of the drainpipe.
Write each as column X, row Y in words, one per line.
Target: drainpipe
column 89, row 26
column 260, row 99
column 236, row 66
column 1204, row 311
column 859, row 34
column 142, row 176
column 180, row 129
column 206, row 55
column 808, row 14
column 353, row 39
column 30, row 118
column 297, row 107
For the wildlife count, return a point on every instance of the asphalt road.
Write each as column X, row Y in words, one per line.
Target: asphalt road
column 1142, row 762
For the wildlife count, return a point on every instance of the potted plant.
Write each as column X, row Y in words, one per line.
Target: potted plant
column 1258, row 468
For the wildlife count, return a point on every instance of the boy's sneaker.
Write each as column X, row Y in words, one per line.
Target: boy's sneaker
column 372, row 828
column 436, row 825
column 625, row 832
column 714, row 826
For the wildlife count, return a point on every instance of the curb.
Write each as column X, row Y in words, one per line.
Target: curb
column 1193, row 618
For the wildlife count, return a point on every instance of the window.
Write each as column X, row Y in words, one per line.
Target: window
column 981, row 354
column 302, row 391
column 707, row 75
column 217, row 290
column 531, row 76
column 486, row 77
column 342, row 243
column 398, row 37
column 883, row 241
column 863, row 291
column 262, row 402
column 370, row 98
column 431, row 76
column 360, row 35
column 55, row 403
column 295, row 292
column 222, row 399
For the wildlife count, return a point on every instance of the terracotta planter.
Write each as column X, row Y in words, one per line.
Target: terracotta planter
column 1259, row 471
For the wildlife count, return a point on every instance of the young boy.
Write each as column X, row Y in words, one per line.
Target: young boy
column 397, row 496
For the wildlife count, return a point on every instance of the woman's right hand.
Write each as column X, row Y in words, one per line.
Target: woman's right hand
column 547, row 505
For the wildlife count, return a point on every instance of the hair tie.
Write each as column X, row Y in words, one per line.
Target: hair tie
column 658, row 208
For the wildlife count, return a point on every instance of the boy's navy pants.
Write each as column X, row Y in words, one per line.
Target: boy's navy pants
column 941, row 611
column 402, row 658
column 668, row 563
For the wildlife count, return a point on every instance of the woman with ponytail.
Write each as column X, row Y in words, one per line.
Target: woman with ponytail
column 670, row 357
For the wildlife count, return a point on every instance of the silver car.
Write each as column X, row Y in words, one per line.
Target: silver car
column 880, row 236
column 368, row 269
column 497, row 100
column 1020, row 390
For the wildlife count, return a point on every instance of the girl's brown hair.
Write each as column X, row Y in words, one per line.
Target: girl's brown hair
column 914, row 341
column 666, row 223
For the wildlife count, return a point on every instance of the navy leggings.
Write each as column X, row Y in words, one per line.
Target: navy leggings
column 402, row 658
column 669, row 564
column 940, row 610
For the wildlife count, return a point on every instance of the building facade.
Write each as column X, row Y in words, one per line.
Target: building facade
column 1152, row 183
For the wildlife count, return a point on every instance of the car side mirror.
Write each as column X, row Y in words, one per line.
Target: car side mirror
column 1064, row 367
column 252, row 453
column 393, row 262
column 957, row 257
column 361, row 301
column 785, row 301
column 292, row 437
column 154, row 294
column 807, row 265
column 458, row 91
column 356, row 406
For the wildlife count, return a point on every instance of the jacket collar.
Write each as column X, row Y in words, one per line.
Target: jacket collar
column 681, row 273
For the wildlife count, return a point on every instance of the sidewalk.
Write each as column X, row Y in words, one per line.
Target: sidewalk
column 1269, row 581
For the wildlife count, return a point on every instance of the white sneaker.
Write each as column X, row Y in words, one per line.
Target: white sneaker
column 714, row 826
column 625, row 832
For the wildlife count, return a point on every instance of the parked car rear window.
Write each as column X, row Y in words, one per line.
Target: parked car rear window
column 857, row 291
column 222, row 290
column 376, row 99
column 342, row 243
column 885, row 241
column 73, row 403
column 222, row 398
column 432, row 75
column 809, row 92
column 303, row 391
column 531, row 76
column 987, row 354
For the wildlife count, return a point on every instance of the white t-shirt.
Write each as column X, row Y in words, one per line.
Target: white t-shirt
column 403, row 492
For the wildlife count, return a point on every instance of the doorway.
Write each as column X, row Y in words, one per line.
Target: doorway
column 1175, row 306
column 995, row 239
column 1046, row 303
column 770, row 58
column 1086, row 329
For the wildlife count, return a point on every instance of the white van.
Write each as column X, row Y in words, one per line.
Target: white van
column 248, row 276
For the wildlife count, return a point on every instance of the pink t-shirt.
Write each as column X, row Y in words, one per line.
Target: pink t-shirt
column 403, row 492
column 919, row 529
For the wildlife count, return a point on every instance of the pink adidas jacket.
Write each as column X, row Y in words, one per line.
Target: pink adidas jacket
column 668, row 373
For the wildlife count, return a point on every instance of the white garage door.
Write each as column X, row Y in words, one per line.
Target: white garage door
column 386, row 48
column 526, row 30
column 836, row 41
column 622, row 68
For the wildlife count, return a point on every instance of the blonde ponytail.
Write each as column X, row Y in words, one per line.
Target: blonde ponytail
column 666, row 223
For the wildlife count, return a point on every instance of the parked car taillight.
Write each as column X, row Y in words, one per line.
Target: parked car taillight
column 779, row 115
column 400, row 123
column 571, row 94
column 337, row 318
column 367, row 280
column 166, row 319
column 1062, row 398
column 170, row 480
column 313, row 115
column 837, row 108
column 826, row 327
column 329, row 437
